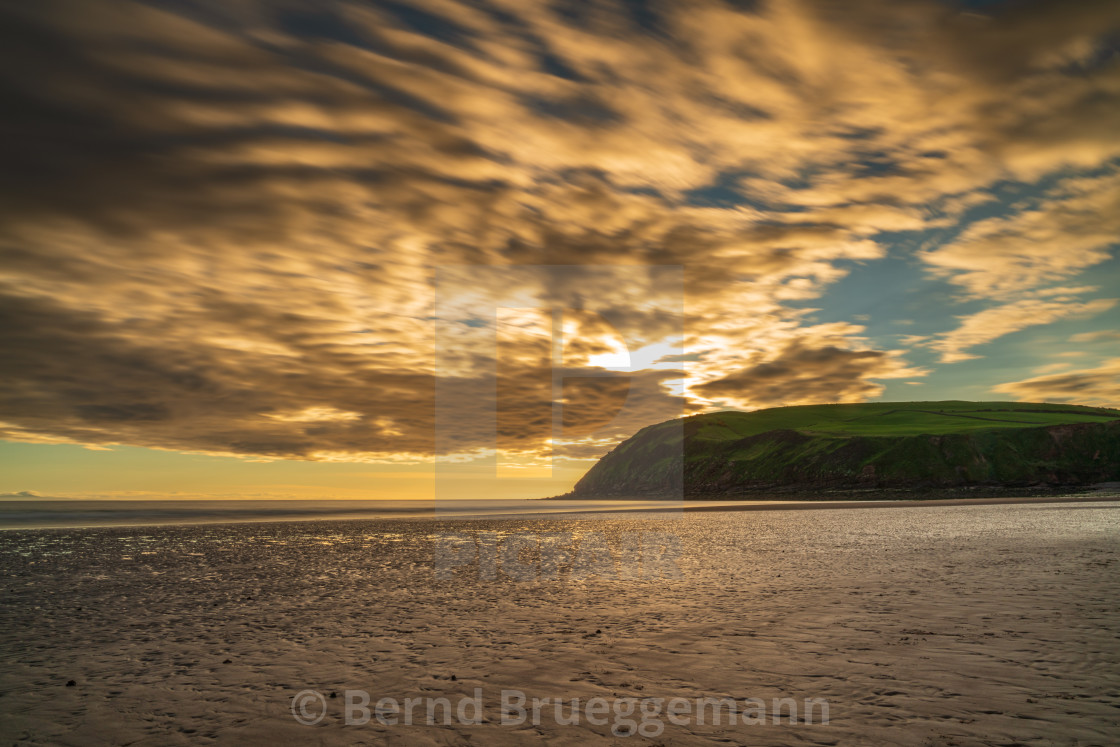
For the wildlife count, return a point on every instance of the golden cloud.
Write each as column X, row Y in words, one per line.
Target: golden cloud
column 1072, row 230
column 990, row 324
column 222, row 222
column 1097, row 386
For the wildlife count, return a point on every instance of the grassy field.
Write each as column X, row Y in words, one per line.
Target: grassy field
column 894, row 418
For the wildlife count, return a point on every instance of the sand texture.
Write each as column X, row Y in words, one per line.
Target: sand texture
column 940, row 625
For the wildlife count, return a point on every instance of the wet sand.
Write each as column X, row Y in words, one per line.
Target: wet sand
column 939, row 625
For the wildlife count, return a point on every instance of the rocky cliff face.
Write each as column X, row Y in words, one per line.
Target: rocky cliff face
column 668, row 460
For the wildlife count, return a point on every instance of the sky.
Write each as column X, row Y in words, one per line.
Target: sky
column 338, row 248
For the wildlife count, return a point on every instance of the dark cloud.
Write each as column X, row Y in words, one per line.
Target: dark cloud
column 800, row 374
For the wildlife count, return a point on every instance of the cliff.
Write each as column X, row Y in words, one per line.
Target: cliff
column 889, row 446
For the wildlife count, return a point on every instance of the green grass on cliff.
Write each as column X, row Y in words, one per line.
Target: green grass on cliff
column 894, row 418
column 938, row 443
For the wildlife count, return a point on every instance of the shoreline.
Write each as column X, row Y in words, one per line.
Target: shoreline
column 851, row 493
column 916, row 502
column 50, row 520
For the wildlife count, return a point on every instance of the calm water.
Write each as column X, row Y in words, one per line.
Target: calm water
column 80, row 513
column 32, row 514
column 77, row 513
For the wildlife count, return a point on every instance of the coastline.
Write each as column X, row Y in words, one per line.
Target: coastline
column 1110, row 496
column 105, row 514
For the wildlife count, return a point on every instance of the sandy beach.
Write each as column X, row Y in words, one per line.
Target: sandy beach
column 974, row 625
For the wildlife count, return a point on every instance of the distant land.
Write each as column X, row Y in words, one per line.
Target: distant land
column 882, row 449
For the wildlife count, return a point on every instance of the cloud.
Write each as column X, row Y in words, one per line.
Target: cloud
column 223, row 223
column 805, row 375
column 1095, row 386
column 1051, row 368
column 995, row 322
column 1072, row 230
column 1097, row 336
